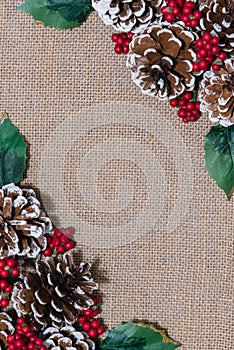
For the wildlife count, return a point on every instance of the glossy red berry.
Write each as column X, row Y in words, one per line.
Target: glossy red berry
column 88, row 313
column 125, row 49
column 81, row 319
column 9, row 289
column 174, row 102
column 222, row 56
column 215, row 67
column 4, row 273
column 95, row 323
column 185, row 120
column 2, row 263
column 190, row 106
column 169, row 17
column 69, row 245
column 4, row 302
column 20, row 320
column 47, row 252
column 86, row 326
column 60, row 249
column 94, row 313
column 197, row 14
column 187, row 95
column 120, row 40
column 15, row 272
column 11, row 263
column 93, row 333
column 181, row 113
column 130, row 35
column 207, row 37
column 4, row 284
column 100, row 330
column 203, row 65
column 215, row 50
column 114, row 37
column 182, row 102
column 55, row 241
column 215, row 40
column 118, row 49
column 196, row 67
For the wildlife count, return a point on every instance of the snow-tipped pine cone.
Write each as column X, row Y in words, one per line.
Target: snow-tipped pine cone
column 66, row 338
column 22, row 223
column 161, row 60
column 55, row 293
column 6, row 328
column 218, row 19
column 127, row 15
column 217, row 94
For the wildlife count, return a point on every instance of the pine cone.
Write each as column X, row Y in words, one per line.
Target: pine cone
column 217, row 94
column 218, row 19
column 22, row 222
column 6, row 328
column 55, row 293
column 127, row 15
column 66, row 338
column 161, row 59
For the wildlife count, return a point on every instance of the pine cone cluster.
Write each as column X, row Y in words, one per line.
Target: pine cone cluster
column 22, row 223
column 161, row 59
column 6, row 328
column 217, row 94
column 127, row 15
column 218, row 19
column 55, row 293
column 66, row 338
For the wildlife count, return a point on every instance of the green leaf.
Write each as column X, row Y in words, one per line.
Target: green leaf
column 58, row 13
column 133, row 336
column 12, row 153
column 219, row 156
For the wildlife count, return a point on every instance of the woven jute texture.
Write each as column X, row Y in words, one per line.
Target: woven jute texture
column 122, row 169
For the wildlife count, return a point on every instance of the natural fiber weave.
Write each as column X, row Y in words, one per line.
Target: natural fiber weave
column 122, row 169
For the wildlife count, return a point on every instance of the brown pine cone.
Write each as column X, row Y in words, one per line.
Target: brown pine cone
column 66, row 338
column 22, row 223
column 218, row 19
column 161, row 60
column 6, row 328
column 55, row 293
column 127, row 15
column 217, row 94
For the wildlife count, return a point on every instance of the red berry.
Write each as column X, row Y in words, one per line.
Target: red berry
column 2, row 263
column 43, row 347
column 215, row 40
column 176, row 11
column 199, row 43
column 11, row 347
column 203, row 53
column 81, row 319
column 86, row 326
column 193, row 23
column 123, row 35
column 11, row 262
column 25, row 329
column 190, row 106
column 125, row 49
column 209, row 59
column 4, row 273
column 130, row 35
column 118, row 49
column 93, row 333
column 47, row 252
column 4, row 284
column 30, row 346
column 94, row 313
column 15, row 272
column 69, row 245
column 174, row 102
column 208, row 46
column 38, row 341
column 127, row 42
column 222, row 56
column 197, row 105
column 30, row 335
column 169, row 17
column 207, row 37
column 164, row 10
column 120, row 40
column 203, row 65
column 187, row 95
column 100, row 330
column 182, row 102
column 88, row 313
column 185, row 120
column 184, row 18
column 10, row 338
column 55, row 241
column 215, row 50
column 95, row 323
column 196, row 67
column 172, row 3
column 192, row 118
column 60, row 249
column 57, row 232
column 187, row 10
column 20, row 320
column 4, row 302
column 9, row 289
column 197, row 14
column 190, row 4
column 64, row 239
column 215, row 67
column 181, row 113
column 188, row 114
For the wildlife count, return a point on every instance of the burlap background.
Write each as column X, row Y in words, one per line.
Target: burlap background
column 123, row 170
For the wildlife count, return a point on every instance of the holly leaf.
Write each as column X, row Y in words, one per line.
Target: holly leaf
column 58, row 13
column 219, row 156
column 12, row 153
column 133, row 336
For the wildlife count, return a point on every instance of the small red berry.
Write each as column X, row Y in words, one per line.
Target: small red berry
column 4, row 302
column 164, row 10
column 60, row 249
column 10, row 338
column 47, row 252
column 2, row 263
column 190, row 106
column 11, row 347
column 55, row 241
column 95, row 323
column 184, row 18
column 182, row 102
column 64, row 239
column 215, row 67
column 4, row 284
column 199, row 43
column 187, row 10
column 125, row 49
column 9, row 289
column 207, row 37
column 93, row 333
column 4, row 273
column 123, row 35
column 118, row 49
column 190, row 4
column 209, row 59
column 215, row 40
column 88, row 313
column 30, row 346
column 215, row 50
column 197, row 105
column 181, row 113
column 38, row 341
column 94, row 313
column 187, row 95
column 203, row 65
column 192, row 118
column 69, row 245
column 203, row 53
column 127, row 42
column 208, row 46
column 120, row 40
column 185, row 120
column 222, row 56
column 20, row 320
column 86, row 326
column 169, row 17
column 174, row 102
column 81, row 319
column 197, row 14
column 11, row 263
column 130, row 35
column 100, row 330
column 196, row 67
column 15, row 272
column 176, row 11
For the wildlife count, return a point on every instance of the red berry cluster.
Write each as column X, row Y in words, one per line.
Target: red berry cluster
column 24, row 337
column 8, row 269
column 88, row 322
column 58, row 242
column 189, row 111
column 182, row 10
column 208, row 52
column 122, row 41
